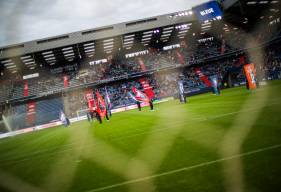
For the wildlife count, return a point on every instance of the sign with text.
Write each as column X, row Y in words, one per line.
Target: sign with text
column 208, row 11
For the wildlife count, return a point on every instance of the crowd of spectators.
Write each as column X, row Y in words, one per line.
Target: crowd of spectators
column 272, row 63
column 187, row 54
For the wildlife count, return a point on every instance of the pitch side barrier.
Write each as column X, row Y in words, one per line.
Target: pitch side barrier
column 73, row 120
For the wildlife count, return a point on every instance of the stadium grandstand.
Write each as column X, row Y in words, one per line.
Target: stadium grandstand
column 53, row 70
column 41, row 78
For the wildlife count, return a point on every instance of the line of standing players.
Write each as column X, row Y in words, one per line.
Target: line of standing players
column 99, row 108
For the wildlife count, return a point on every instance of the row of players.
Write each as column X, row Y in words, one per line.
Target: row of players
column 100, row 108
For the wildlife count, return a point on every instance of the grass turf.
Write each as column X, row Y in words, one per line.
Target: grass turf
column 174, row 148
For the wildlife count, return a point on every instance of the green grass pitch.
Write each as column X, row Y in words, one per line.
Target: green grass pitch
column 213, row 143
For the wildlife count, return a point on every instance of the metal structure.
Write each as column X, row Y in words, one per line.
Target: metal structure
column 98, row 43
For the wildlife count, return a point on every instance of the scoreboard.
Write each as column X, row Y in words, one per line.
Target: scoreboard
column 208, row 11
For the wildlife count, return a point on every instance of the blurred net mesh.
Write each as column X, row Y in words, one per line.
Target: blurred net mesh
column 140, row 172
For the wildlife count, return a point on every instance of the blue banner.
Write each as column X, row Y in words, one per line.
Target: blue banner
column 181, row 91
column 215, row 84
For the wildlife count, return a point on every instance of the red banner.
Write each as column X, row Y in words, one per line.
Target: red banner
column 148, row 90
column 92, row 105
column 31, row 113
column 89, row 94
column 141, row 63
column 180, row 58
column 89, row 97
column 203, row 77
column 25, row 89
column 96, row 104
column 140, row 96
column 101, row 106
column 65, row 81
column 250, row 73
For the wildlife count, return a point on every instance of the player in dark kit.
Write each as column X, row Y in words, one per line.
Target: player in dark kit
column 151, row 105
column 139, row 105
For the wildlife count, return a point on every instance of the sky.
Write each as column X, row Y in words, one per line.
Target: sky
column 26, row 20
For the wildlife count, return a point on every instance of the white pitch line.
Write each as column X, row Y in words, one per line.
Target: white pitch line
column 186, row 168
